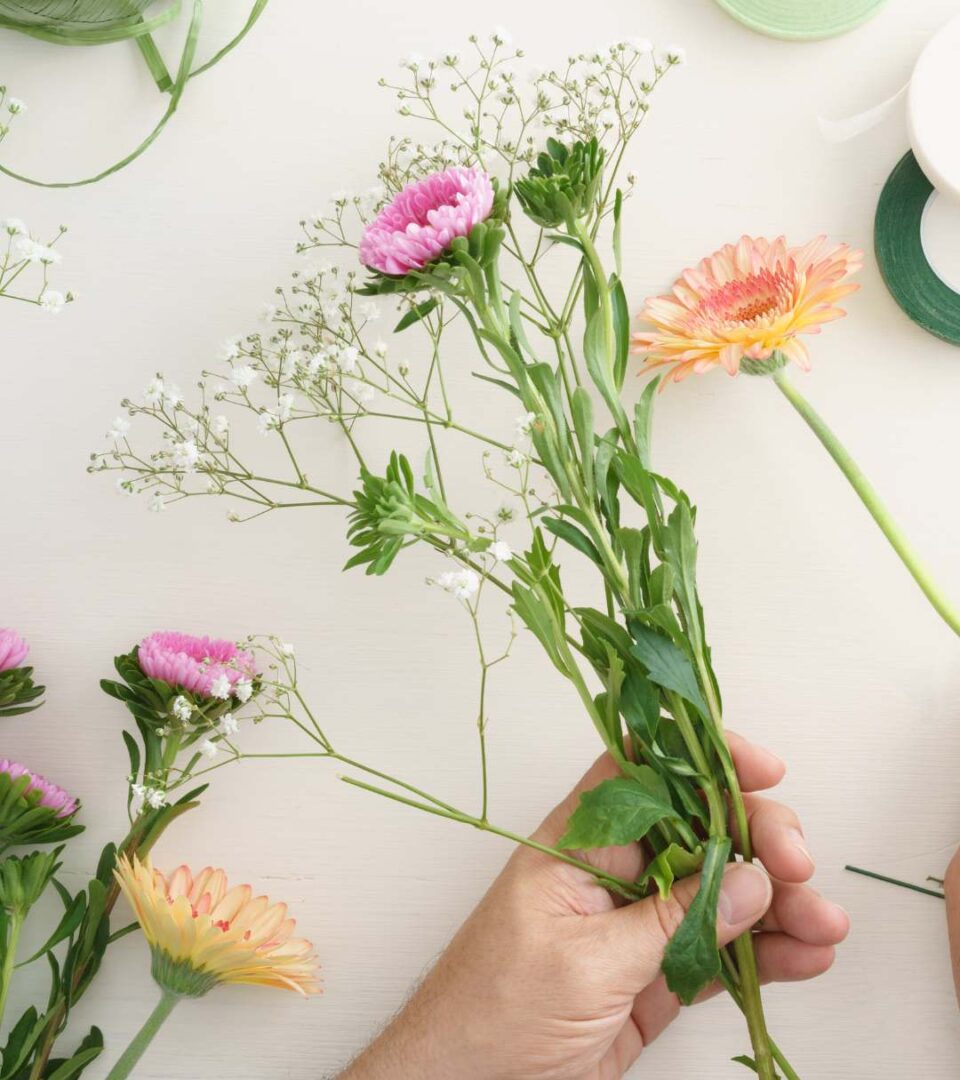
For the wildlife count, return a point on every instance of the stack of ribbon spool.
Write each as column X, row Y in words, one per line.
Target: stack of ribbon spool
column 928, row 172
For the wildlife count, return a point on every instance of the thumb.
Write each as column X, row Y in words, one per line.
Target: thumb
column 639, row 933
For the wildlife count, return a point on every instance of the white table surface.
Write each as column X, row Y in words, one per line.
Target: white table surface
column 826, row 650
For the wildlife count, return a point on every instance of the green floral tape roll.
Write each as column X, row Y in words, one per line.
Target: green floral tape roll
column 915, row 286
column 802, row 20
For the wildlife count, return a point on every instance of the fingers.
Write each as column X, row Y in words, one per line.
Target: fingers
column 805, row 915
column 783, row 958
column 757, row 768
column 951, row 887
column 636, row 936
column 778, row 840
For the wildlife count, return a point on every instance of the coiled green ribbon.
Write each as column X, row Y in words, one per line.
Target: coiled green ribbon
column 99, row 22
column 802, row 20
column 915, row 285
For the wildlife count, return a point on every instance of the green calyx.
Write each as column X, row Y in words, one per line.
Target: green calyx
column 564, row 184
column 763, row 367
column 18, row 693
column 180, row 977
column 23, row 820
column 23, row 880
column 391, row 514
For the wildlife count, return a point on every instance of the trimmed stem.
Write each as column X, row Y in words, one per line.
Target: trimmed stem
column 138, row 1045
column 9, row 958
column 871, row 500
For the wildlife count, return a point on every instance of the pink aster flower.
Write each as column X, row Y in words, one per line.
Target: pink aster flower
column 194, row 663
column 425, row 218
column 13, row 650
column 51, row 796
column 746, row 302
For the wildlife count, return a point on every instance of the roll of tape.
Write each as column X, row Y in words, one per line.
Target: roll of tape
column 915, row 285
column 932, row 105
column 802, row 20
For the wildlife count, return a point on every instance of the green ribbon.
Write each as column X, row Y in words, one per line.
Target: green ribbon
column 802, row 20
column 915, row 285
column 98, row 22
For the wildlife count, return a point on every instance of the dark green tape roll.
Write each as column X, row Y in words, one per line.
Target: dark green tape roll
column 915, row 286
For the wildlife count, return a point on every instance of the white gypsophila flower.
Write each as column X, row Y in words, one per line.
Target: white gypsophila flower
column 369, row 311
column 675, row 54
column 153, row 394
column 524, row 424
column 16, row 106
column 118, row 429
column 209, row 749
column 267, row 422
column 230, row 349
column 185, row 455
column 516, row 458
column 316, row 364
column 14, row 227
column 380, row 348
column 505, row 513
column 243, row 690
column 220, row 424
column 642, row 46
column 243, row 376
column 347, row 359
column 220, row 688
column 123, row 487
column 500, row 36
column 403, row 369
column 52, row 301
column 48, row 256
column 172, row 395
column 228, row 724
column 269, row 313
column 157, row 504
column 500, row 550
column 155, row 798
column 285, row 406
column 462, row 583
column 181, row 708
column 287, row 649
column 361, row 392
column 413, row 61
column 138, row 791
column 25, row 249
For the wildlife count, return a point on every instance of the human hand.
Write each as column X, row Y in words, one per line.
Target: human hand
column 951, row 888
column 553, row 978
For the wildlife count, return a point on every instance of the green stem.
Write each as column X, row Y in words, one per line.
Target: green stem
column 9, row 957
column 730, row 982
column 871, row 500
column 129, row 1058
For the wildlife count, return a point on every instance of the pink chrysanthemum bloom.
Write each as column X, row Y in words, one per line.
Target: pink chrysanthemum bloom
column 746, row 302
column 51, row 796
column 13, row 650
column 197, row 664
column 425, row 218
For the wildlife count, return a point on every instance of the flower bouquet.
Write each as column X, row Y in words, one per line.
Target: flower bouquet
column 179, row 690
column 458, row 235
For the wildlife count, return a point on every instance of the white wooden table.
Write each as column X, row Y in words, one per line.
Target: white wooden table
column 826, row 650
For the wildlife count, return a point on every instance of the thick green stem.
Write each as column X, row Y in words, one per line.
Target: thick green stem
column 138, row 1045
column 730, row 980
column 871, row 500
column 9, row 957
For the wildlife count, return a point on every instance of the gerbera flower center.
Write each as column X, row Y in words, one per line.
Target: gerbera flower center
column 752, row 298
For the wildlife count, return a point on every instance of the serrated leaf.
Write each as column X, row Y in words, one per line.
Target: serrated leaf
column 672, row 864
column 666, row 664
column 619, row 811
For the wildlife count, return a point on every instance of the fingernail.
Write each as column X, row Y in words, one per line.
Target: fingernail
column 744, row 894
column 798, row 841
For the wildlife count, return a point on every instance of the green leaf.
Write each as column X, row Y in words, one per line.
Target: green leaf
column 619, row 811
column 672, row 864
column 640, row 705
column 71, row 920
column 539, row 619
column 691, row 961
column 621, row 326
column 502, row 383
column 667, row 665
column 680, row 553
column 745, row 1059
column 415, row 314
column 643, row 420
column 574, row 537
column 581, row 406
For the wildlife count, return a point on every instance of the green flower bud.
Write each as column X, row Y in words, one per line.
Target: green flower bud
column 563, row 185
column 23, row 880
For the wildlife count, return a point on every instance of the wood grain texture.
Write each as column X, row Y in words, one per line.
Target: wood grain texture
column 825, row 648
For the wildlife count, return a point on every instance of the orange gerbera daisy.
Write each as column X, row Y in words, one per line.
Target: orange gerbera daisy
column 202, row 933
column 745, row 303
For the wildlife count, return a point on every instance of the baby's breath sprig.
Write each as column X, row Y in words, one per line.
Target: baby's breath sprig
column 21, row 254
